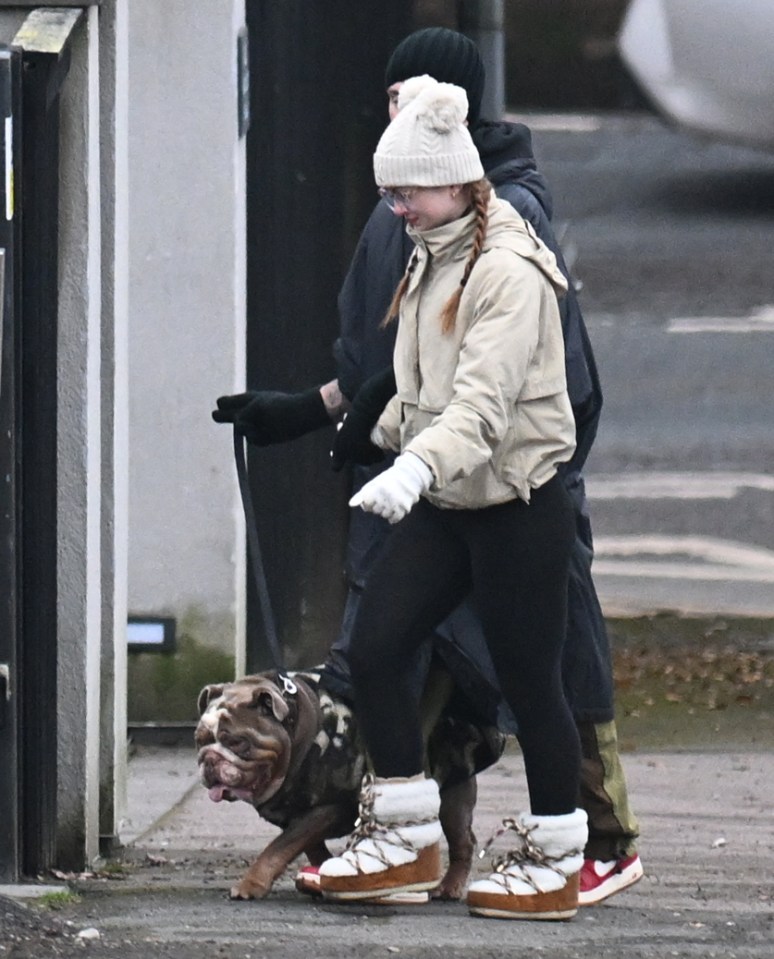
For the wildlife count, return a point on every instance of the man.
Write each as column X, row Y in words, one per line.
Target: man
column 363, row 355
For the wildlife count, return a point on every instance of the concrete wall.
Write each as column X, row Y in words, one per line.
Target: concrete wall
column 169, row 303
column 10, row 21
column 186, row 316
column 91, row 520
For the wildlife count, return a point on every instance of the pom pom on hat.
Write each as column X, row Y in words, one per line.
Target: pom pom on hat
column 444, row 105
column 412, row 88
column 428, row 143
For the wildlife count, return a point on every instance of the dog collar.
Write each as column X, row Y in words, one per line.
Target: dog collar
column 289, row 688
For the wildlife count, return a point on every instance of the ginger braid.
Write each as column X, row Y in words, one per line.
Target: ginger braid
column 394, row 308
column 480, row 191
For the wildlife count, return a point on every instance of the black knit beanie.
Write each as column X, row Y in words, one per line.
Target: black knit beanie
column 445, row 55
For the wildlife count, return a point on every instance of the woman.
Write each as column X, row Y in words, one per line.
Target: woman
column 481, row 420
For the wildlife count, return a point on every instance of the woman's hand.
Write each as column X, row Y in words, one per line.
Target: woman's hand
column 393, row 493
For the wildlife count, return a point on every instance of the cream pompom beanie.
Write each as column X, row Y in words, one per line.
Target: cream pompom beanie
column 428, row 143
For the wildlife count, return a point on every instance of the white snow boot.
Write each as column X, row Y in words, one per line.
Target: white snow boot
column 539, row 879
column 395, row 845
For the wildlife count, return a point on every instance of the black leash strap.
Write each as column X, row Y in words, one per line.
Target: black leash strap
column 256, row 562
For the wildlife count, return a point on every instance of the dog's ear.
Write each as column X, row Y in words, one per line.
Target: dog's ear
column 268, row 699
column 207, row 695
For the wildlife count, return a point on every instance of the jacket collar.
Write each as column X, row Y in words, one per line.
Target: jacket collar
column 450, row 241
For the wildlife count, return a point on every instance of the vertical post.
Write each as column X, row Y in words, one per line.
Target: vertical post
column 114, row 162
column 10, row 757
column 39, row 176
column 60, row 424
column 483, row 22
column 79, row 451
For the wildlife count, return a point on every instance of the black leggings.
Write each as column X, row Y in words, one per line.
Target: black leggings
column 514, row 559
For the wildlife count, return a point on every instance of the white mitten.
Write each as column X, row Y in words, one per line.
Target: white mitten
column 392, row 493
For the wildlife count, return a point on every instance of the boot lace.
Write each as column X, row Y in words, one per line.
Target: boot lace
column 367, row 826
column 527, row 852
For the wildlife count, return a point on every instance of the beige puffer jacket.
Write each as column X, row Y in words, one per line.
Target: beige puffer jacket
column 486, row 405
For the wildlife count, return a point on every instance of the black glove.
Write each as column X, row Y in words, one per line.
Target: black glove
column 352, row 443
column 268, row 417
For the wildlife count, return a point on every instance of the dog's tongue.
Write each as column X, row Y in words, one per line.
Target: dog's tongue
column 220, row 792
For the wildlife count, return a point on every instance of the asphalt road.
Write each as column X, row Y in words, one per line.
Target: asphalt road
column 674, row 240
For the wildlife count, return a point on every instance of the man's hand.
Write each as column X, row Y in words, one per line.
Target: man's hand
column 352, row 443
column 266, row 417
column 393, row 493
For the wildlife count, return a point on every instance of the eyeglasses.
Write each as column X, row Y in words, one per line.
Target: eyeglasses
column 395, row 198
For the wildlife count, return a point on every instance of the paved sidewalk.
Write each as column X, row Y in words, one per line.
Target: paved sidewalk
column 707, row 845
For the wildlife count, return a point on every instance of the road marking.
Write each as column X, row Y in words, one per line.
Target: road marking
column 556, row 122
column 668, row 485
column 628, row 560
column 760, row 320
column 682, row 557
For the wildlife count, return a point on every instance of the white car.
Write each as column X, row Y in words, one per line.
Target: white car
column 706, row 65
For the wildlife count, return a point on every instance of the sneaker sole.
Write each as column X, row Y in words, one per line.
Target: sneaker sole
column 402, row 899
column 623, row 880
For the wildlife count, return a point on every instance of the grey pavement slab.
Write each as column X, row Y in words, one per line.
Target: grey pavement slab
column 159, row 777
column 26, row 890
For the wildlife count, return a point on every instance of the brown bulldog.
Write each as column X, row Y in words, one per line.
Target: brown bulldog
column 291, row 749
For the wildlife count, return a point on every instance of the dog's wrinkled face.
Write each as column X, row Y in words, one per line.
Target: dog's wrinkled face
column 244, row 749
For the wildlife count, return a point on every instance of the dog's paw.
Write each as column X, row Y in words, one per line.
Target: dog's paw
column 453, row 885
column 248, row 890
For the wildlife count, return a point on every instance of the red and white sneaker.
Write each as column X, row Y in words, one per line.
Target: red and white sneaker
column 308, row 882
column 598, row 879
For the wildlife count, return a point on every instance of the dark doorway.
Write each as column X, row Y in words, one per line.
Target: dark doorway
column 318, row 108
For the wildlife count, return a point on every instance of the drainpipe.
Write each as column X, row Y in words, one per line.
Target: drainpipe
column 483, row 22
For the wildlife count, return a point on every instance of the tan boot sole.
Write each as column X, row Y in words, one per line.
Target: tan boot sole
column 561, row 904
column 421, row 875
